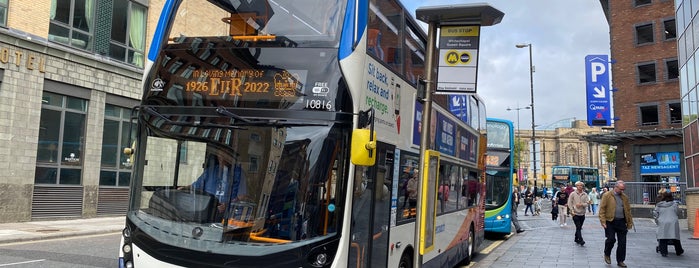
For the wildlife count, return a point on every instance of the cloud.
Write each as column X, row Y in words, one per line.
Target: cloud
column 562, row 33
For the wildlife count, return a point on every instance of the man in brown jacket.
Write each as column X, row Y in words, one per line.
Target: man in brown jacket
column 615, row 217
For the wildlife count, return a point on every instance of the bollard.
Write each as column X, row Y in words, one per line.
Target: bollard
column 696, row 225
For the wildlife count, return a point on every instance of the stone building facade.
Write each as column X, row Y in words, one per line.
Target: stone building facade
column 67, row 84
column 564, row 146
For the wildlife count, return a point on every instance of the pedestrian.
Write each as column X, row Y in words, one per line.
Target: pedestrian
column 412, row 190
column 554, row 211
column 515, row 204
column 594, row 199
column 615, row 217
column 578, row 202
column 537, row 206
column 589, row 208
column 666, row 214
column 562, row 202
column 528, row 202
column 443, row 195
column 546, row 193
column 569, row 189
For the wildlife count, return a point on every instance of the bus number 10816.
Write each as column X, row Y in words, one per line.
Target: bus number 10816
column 319, row 105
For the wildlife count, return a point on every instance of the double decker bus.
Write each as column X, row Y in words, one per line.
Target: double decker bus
column 564, row 175
column 500, row 176
column 286, row 134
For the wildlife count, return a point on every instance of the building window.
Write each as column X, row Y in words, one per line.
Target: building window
column 644, row 34
column 670, row 29
column 649, row 115
column 672, row 71
column 85, row 25
column 61, row 139
column 3, row 13
column 646, row 73
column 675, row 112
column 183, row 153
column 694, row 32
column 116, row 166
column 254, row 164
column 128, row 35
column 638, row 3
column 72, row 22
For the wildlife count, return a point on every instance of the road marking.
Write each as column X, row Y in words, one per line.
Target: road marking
column 491, row 247
column 22, row 262
column 59, row 238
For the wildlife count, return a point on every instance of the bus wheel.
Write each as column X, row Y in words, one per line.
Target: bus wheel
column 469, row 251
column 406, row 261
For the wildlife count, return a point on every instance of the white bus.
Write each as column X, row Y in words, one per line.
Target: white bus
column 250, row 141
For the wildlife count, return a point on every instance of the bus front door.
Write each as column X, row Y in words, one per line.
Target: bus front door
column 371, row 209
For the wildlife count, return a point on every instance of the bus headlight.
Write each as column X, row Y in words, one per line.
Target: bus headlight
column 498, row 217
column 126, row 232
column 126, row 248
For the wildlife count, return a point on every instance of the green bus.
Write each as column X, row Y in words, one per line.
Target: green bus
column 563, row 175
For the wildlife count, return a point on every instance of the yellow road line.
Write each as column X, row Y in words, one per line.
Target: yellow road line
column 491, row 247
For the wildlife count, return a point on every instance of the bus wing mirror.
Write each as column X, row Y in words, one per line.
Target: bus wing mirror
column 129, row 151
column 363, row 146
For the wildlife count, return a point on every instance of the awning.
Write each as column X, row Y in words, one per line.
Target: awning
column 614, row 138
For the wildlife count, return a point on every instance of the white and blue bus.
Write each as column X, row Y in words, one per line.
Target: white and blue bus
column 500, row 179
column 250, row 146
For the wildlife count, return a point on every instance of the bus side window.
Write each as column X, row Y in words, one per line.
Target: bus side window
column 374, row 43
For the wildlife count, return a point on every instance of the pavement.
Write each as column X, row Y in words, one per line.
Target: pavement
column 40, row 230
column 544, row 243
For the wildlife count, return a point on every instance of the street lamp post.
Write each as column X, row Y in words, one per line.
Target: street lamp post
column 517, row 109
column 531, row 83
column 517, row 137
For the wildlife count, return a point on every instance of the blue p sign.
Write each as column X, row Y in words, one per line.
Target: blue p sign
column 597, row 84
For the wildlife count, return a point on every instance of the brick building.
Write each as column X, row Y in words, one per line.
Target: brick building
column 647, row 105
column 70, row 71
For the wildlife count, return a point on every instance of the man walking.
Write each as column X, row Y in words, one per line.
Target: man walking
column 578, row 201
column 562, row 202
column 615, row 217
column 515, row 204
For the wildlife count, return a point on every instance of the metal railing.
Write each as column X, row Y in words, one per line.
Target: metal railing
column 646, row 193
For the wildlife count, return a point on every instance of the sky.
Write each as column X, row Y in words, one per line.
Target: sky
column 562, row 33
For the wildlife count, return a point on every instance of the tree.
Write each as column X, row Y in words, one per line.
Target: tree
column 519, row 145
column 609, row 153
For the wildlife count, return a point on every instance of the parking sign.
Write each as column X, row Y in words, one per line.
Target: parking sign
column 597, row 84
